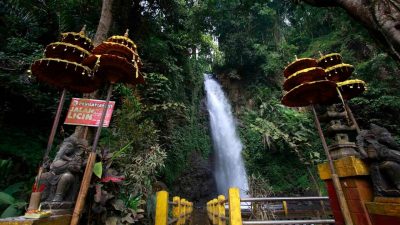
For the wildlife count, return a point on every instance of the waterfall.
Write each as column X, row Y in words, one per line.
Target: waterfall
column 229, row 166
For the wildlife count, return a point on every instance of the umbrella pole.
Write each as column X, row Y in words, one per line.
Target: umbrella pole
column 49, row 144
column 343, row 102
column 55, row 124
column 87, row 176
column 335, row 179
column 351, row 115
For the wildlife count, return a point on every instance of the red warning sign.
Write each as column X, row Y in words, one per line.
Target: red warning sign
column 87, row 112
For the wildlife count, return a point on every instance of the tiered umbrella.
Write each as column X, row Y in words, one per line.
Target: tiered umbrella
column 329, row 60
column 62, row 66
column 339, row 72
column 304, row 76
column 351, row 88
column 299, row 64
column 306, row 84
column 78, row 39
column 114, row 61
column 322, row 81
column 62, row 69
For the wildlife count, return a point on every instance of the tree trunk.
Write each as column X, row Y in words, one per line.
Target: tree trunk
column 380, row 17
column 104, row 23
column 101, row 35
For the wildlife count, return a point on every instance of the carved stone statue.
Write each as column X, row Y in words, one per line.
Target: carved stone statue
column 61, row 182
column 379, row 148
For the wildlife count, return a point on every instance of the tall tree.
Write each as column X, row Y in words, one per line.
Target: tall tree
column 104, row 22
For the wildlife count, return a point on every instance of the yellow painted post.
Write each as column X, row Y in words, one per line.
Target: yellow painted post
column 221, row 210
column 285, row 208
column 215, row 211
column 162, row 208
column 235, row 214
column 183, row 212
column 181, row 219
column 176, row 208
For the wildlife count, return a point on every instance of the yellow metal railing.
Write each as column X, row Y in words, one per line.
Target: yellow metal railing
column 216, row 209
column 181, row 210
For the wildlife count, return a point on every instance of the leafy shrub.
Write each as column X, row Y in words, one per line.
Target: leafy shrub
column 279, row 142
column 9, row 205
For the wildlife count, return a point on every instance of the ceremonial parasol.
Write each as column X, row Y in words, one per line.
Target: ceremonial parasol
column 65, row 74
column 123, row 40
column 78, row 39
column 351, row 88
column 303, row 76
column 113, row 57
column 62, row 69
column 299, row 64
column 114, row 69
column 329, row 60
column 116, row 49
column 339, row 72
column 63, row 50
column 317, row 92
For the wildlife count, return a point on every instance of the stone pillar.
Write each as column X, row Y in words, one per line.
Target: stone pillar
column 353, row 174
column 339, row 132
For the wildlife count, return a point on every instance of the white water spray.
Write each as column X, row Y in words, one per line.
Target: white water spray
column 229, row 166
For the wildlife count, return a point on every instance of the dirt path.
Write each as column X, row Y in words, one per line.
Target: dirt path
column 199, row 217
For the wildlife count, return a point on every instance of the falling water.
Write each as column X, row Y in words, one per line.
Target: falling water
column 229, row 167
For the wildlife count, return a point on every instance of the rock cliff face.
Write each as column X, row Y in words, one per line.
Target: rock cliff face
column 233, row 91
column 197, row 182
column 236, row 92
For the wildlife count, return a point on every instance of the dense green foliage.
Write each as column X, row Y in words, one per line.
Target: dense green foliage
column 157, row 125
